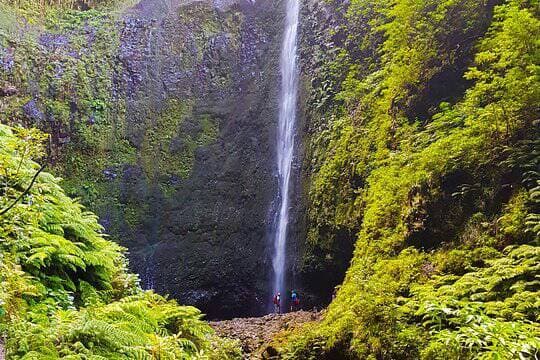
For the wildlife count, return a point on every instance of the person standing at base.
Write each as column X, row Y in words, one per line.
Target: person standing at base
column 295, row 301
column 277, row 303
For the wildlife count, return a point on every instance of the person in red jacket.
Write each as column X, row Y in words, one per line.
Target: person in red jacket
column 277, row 303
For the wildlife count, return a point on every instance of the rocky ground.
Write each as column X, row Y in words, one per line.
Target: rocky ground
column 256, row 333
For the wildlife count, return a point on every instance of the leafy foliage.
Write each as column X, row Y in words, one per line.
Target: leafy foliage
column 451, row 171
column 44, row 5
column 64, row 289
column 490, row 311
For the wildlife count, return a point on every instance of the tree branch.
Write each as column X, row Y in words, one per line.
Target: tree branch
column 25, row 191
column 32, row 182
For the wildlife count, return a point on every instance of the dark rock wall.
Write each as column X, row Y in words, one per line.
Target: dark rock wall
column 205, row 242
column 165, row 128
column 318, row 270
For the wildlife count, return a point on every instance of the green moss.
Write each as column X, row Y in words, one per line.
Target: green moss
column 514, row 221
column 209, row 131
column 158, row 157
column 378, row 164
column 71, row 87
column 168, row 149
column 203, row 23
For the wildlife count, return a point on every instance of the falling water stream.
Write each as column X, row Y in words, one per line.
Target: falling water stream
column 285, row 143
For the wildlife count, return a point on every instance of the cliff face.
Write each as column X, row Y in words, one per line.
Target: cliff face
column 216, row 176
column 342, row 46
column 327, row 232
column 420, row 126
column 163, row 121
column 205, row 172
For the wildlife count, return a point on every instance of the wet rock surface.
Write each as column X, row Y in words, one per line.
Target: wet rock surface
column 255, row 334
column 207, row 179
column 321, row 37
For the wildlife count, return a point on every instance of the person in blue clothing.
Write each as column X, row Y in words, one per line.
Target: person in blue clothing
column 295, row 301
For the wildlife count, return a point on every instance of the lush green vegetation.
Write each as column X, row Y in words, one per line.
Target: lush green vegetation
column 66, row 69
column 65, row 291
column 422, row 147
column 41, row 7
column 429, row 154
column 61, row 72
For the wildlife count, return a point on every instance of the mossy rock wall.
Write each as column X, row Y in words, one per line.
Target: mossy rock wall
column 163, row 121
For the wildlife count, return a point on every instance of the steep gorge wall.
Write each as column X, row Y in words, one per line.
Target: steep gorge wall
column 163, row 122
column 345, row 47
column 323, row 255
column 420, row 127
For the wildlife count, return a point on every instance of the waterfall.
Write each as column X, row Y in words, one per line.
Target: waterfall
column 285, row 141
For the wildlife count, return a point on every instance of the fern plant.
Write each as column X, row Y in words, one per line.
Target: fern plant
column 65, row 292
